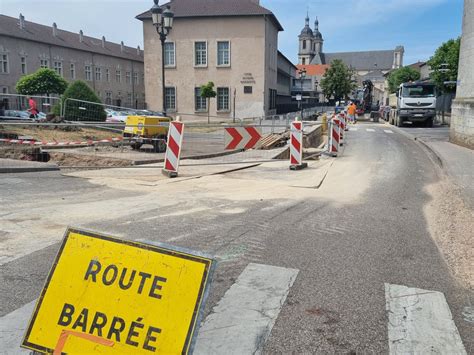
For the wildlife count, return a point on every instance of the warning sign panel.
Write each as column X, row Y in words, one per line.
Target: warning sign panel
column 106, row 295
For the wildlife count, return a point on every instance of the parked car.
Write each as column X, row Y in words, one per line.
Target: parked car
column 117, row 116
column 16, row 115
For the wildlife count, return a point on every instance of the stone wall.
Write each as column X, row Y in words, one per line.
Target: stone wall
column 462, row 120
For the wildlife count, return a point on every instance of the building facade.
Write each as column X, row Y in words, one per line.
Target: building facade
column 114, row 71
column 233, row 44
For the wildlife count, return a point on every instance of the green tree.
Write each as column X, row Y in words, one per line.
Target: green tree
column 400, row 76
column 444, row 64
column 208, row 92
column 43, row 82
column 88, row 108
column 337, row 81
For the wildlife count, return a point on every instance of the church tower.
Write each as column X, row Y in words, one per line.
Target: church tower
column 318, row 38
column 306, row 51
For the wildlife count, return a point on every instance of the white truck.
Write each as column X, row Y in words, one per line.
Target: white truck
column 415, row 103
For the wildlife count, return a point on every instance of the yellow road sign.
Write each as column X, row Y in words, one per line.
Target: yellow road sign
column 106, row 295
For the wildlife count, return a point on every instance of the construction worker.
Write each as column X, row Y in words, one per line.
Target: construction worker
column 351, row 112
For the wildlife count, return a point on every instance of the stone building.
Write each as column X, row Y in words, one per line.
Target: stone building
column 114, row 71
column 231, row 43
column 367, row 65
column 462, row 116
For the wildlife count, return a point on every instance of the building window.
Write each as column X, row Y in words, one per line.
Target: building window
column 273, row 94
column 135, row 78
column 223, row 53
column 44, row 63
column 58, row 67
column 170, row 99
column 88, row 72
column 108, row 97
column 98, row 74
column 222, row 99
column 118, row 76
column 24, row 69
column 304, row 61
column 248, row 89
column 200, row 54
column 72, row 70
column 169, row 54
column 128, row 77
column 200, row 103
column 304, row 44
column 129, row 99
column 107, row 75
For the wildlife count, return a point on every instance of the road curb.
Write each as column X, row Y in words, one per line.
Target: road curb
column 438, row 158
column 28, row 169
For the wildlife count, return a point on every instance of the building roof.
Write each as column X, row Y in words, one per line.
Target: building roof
column 9, row 26
column 280, row 54
column 215, row 8
column 314, row 69
column 363, row 60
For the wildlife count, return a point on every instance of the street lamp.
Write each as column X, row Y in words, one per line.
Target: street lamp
column 163, row 22
column 302, row 74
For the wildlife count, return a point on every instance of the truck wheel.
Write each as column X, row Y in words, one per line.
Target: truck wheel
column 136, row 146
column 429, row 122
column 399, row 122
column 159, row 146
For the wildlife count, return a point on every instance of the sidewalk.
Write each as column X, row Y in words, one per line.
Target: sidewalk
column 458, row 162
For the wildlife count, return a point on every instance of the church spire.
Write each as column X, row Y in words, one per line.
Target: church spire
column 316, row 25
column 307, row 18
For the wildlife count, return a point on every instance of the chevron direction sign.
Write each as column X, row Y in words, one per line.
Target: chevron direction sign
column 242, row 137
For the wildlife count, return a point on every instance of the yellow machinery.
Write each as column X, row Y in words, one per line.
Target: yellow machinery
column 147, row 130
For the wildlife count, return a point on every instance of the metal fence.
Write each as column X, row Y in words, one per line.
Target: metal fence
column 14, row 106
column 101, row 145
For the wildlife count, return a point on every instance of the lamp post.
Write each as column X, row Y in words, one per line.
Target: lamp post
column 163, row 22
column 302, row 74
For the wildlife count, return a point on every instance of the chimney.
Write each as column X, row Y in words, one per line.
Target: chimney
column 55, row 30
column 103, row 41
column 121, row 46
column 81, row 36
column 22, row 22
column 138, row 50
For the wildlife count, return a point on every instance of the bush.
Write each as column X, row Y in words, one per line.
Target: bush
column 43, row 82
column 81, row 111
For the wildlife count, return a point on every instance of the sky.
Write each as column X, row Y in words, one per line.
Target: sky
column 346, row 25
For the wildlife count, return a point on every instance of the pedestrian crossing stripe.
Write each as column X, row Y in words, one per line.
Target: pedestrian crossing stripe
column 387, row 131
column 370, row 130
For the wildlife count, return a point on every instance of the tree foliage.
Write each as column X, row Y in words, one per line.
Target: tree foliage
column 44, row 82
column 444, row 64
column 337, row 81
column 208, row 92
column 92, row 110
column 400, row 76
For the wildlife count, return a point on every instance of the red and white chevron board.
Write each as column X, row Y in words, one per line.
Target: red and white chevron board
column 175, row 142
column 242, row 137
column 55, row 143
column 334, row 141
column 296, row 143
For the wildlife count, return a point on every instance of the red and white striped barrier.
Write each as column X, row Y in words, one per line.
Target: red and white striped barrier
column 242, row 137
column 55, row 143
column 173, row 151
column 341, row 130
column 334, row 138
column 296, row 146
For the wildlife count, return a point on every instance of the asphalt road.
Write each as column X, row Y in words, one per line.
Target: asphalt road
column 364, row 227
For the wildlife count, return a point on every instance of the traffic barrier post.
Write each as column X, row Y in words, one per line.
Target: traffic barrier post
column 296, row 146
column 173, row 150
column 334, row 141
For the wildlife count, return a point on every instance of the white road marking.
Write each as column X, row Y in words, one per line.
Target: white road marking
column 353, row 129
column 13, row 327
column 244, row 317
column 420, row 322
column 387, row 131
column 370, row 130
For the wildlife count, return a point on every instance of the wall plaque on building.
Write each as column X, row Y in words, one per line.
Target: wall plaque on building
column 247, row 78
